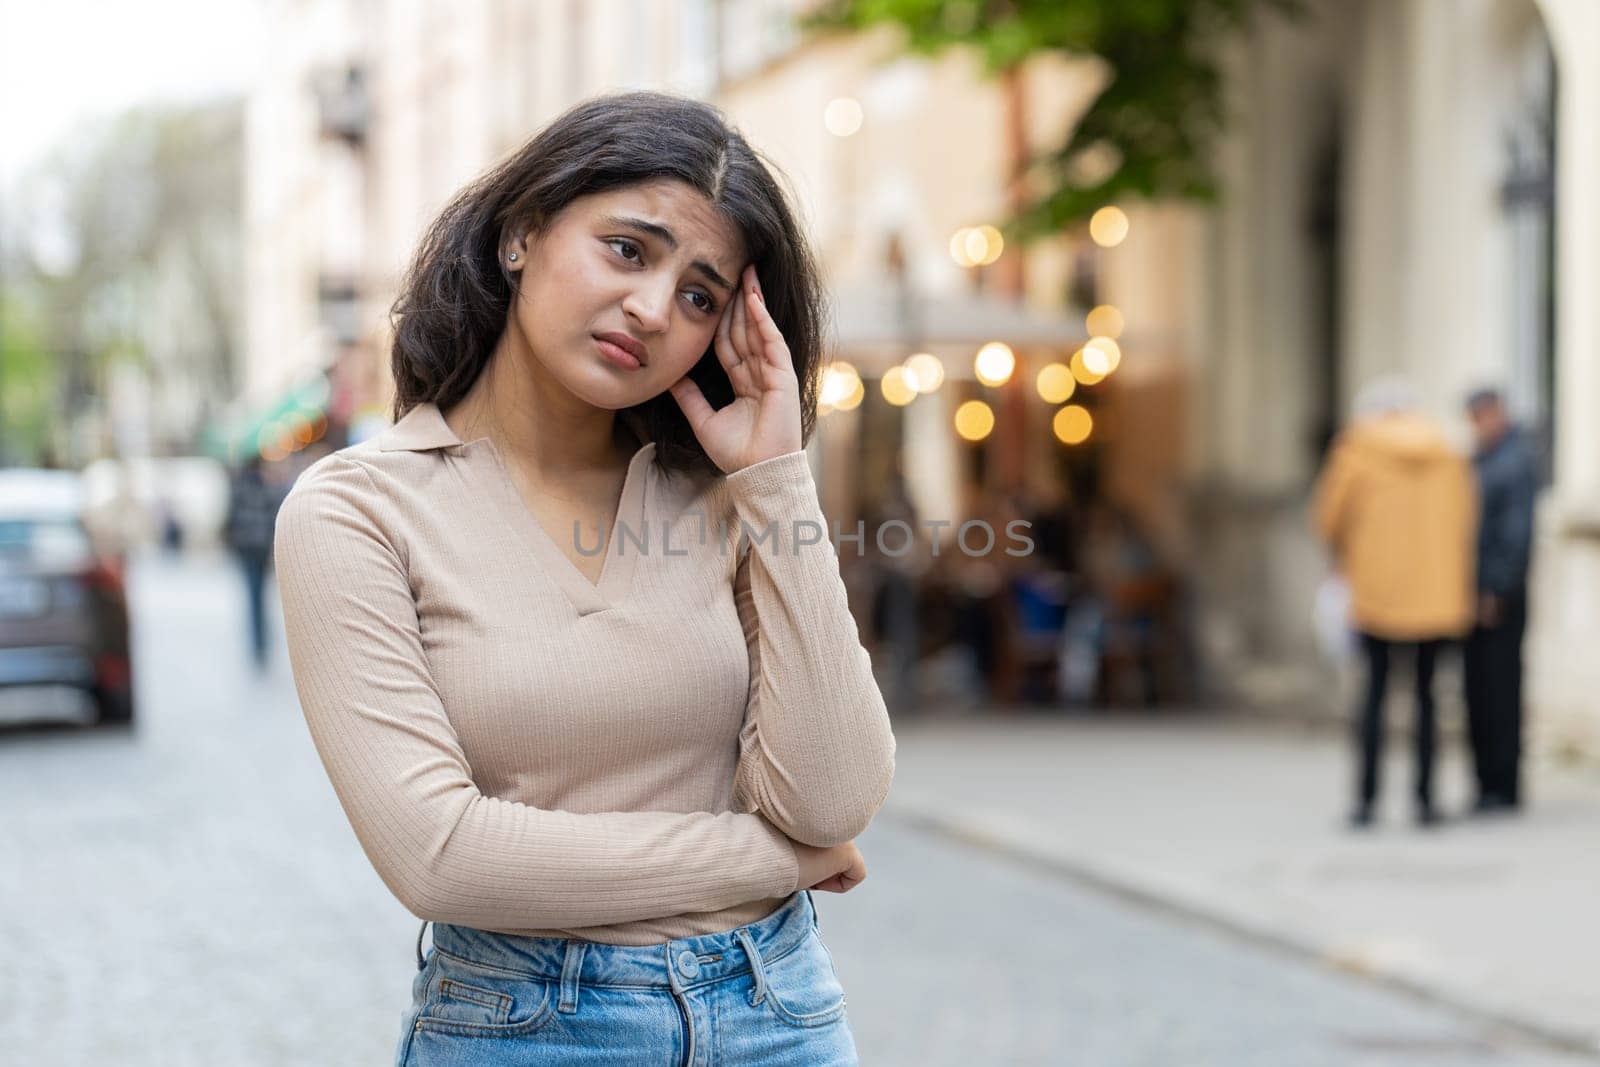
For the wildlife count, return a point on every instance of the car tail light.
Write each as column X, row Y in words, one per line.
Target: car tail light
column 104, row 574
column 111, row 670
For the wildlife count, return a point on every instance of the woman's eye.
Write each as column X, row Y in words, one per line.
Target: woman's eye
column 614, row 241
column 710, row 305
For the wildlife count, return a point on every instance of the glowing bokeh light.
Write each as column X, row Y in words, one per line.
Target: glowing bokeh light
column 1104, row 321
column 1108, row 227
column 1081, row 370
column 897, row 387
column 994, row 363
column 1072, row 424
column 838, row 381
column 974, row 419
column 1055, row 383
column 1106, row 352
column 853, row 399
column 926, row 370
column 842, row 116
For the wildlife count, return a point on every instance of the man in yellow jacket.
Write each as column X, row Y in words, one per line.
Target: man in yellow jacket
column 1397, row 506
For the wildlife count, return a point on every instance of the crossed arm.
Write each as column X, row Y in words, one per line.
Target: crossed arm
column 816, row 754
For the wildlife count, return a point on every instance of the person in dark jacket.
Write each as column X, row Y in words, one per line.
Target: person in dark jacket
column 1508, row 479
column 253, row 504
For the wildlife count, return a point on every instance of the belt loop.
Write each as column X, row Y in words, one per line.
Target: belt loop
column 760, row 991
column 421, row 963
column 815, row 925
column 571, row 967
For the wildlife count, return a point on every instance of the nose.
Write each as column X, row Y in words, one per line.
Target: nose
column 650, row 304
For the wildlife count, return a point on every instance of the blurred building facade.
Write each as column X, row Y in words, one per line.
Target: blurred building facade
column 371, row 114
column 1410, row 185
column 1411, row 188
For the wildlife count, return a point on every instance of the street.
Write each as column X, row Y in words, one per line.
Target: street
column 190, row 893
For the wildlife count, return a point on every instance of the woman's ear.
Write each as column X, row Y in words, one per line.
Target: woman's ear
column 515, row 242
column 514, row 253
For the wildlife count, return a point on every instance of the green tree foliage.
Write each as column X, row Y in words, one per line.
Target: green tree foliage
column 27, row 381
column 1150, row 130
column 124, row 246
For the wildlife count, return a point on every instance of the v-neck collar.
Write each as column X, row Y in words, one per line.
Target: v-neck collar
column 616, row 573
column 423, row 428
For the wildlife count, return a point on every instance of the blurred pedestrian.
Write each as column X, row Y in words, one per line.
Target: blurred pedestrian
column 1507, row 481
column 252, row 513
column 1126, row 606
column 171, row 527
column 1396, row 505
column 896, row 559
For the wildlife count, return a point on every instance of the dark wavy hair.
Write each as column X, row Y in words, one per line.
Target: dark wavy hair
column 456, row 294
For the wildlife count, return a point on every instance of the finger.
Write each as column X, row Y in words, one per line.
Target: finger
column 753, row 341
column 750, row 339
column 773, row 348
column 695, row 407
column 752, row 336
column 740, row 328
column 733, row 364
column 723, row 340
column 749, row 287
column 745, row 338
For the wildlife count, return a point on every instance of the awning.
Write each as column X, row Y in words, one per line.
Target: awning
column 876, row 324
column 306, row 401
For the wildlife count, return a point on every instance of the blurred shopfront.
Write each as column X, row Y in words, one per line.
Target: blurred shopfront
column 1405, row 186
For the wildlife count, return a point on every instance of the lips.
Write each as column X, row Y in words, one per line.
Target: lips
column 627, row 344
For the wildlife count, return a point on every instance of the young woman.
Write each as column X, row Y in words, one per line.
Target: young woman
column 570, row 636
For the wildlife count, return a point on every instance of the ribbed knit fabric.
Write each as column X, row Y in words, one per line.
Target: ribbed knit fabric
column 521, row 750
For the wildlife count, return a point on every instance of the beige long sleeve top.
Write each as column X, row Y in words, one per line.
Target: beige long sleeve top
column 521, row 750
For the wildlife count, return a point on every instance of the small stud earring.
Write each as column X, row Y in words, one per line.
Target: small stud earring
column 512, row 257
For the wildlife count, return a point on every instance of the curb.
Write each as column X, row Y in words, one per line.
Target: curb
column 1126, row 888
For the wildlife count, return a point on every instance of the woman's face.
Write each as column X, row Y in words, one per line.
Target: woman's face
column 598, row 269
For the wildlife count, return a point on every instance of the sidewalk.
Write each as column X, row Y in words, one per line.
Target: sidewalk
column 1239, row 822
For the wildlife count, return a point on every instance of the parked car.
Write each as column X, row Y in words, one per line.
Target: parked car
column 64, row 646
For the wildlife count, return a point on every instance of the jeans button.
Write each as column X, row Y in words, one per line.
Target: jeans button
column 688, row 964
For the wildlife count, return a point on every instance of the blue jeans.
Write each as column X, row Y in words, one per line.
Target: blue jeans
column 765, row 993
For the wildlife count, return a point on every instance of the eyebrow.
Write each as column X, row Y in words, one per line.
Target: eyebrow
column 666, row 237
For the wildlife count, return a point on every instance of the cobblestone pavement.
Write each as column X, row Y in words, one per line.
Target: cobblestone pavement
column 189, row 893
column 1240, row 822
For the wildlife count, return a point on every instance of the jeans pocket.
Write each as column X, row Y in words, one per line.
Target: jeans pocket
column 474, row 1000
column 802, row 987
